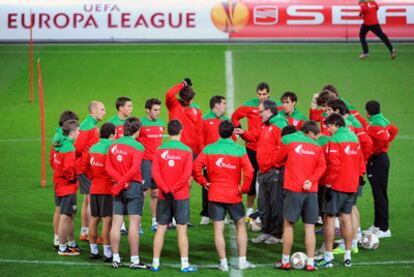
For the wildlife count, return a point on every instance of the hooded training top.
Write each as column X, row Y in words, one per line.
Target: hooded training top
column 88, row 136
column 304, row 159
column 171, row 169
column 225, row 162
column 210, row 130
column 267, row 138
column 119, row 126
column 382, row 133
column 345, row 163
column 189, row 116
column 250, row 110
column 369, row 12
column 94, row 161
column 123, row 162
column 64, row 170
column 296, row 119
column 150, row 136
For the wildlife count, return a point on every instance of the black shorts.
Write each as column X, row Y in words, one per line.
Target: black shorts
column 303, row 204
column 129, row 202
column 67, row 204
column 101, row 205
column 57, row 201
column 357, row 195
column 167, row 209
column 147, row 181
column 84, row 184
column 337, row 202
column 217, row 211
column 253, row 160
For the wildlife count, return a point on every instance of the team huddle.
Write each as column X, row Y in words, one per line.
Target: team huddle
column 313, row 169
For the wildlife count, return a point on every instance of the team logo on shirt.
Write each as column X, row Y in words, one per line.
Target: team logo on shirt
column 299, row 149
column 349, row 151
column 295, row 122
column 170, row 158
column 118, row 153
column 220, row 163
column 95, row 163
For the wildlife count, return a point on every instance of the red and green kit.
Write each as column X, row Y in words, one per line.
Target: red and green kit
column 345, row 163
column 382, row 133
column 323, row 141
column 123, row 162
column 267, row 138
column 225, row 162
column 119, row 126
column 64, row 167
column 304, row 160
column 88, row 136
column 94, row 162
column 295, row 119
column 364, row 140
column 171, row 169
column 150, row 136
column 210, row 130
column 57, row 136
column 189, row 116
column 250, row 110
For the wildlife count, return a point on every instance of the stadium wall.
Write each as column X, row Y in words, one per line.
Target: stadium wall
column 197, row 20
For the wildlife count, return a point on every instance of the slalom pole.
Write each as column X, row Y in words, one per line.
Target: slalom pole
column 42, row 123
column 31, row 98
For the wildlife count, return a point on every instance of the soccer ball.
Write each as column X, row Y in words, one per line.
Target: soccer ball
column 369, row 241
column 298, row 260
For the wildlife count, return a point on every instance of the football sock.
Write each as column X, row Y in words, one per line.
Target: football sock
column 155, row 262
column 135, row 259
column 84, row 230
column 116, row 258
column 328, row 256
column 285, row 259
column 107, row 251
column 309, row 261
column 184, row 262
column 94, row 249
column 223, row 262
column 347, row 255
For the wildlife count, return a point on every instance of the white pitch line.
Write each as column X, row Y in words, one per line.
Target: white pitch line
column 205, row 266
column 166, row 51
column 230, row 108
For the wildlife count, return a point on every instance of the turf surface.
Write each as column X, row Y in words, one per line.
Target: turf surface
column 73, row 75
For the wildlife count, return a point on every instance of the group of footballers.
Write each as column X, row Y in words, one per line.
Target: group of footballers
column 297, row 168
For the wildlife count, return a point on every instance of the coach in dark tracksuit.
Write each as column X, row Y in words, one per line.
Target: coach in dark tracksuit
column 382, row 133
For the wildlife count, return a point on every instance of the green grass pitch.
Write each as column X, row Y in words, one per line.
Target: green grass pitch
column 73, row 75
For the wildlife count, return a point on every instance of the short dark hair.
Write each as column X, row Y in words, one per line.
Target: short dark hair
column 67, row 115
column 174, row 127
column 289, row 94
column 331, row 88
column 69, row 126
column 151, row 102
column 217, row 99
column 373, row 107
column 270, row 105
column 310, row 126
column 262, row 86
column 226, row 129
column 290, row 129
column 335, row 119
column 132, row 125
column 107, row 129
column 337, row 104
column 121, row 101
column 324, row 97
column 187, row 93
